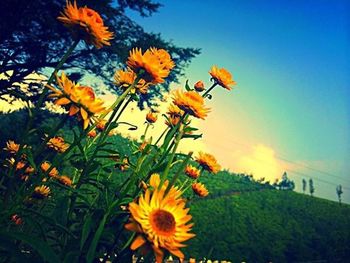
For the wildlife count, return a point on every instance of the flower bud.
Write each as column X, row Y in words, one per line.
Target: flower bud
column 199, row 86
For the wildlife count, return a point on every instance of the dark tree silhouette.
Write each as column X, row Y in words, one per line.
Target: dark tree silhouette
column 311, row 187
column 339, row 192
column 304, row 185
column 285, row 183
column 33, row 40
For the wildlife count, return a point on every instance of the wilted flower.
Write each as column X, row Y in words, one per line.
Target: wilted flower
column 151, row 117
column 58, row 144
column 79, row 99
column 192, row 171
column 41, row 191
column 86, row 24
column 125, row 78
column 155, row 64
column 199, row 86
column 200, row 189
column 160, row 221
column 191, row 102
column 208, row 162
column 222, row 77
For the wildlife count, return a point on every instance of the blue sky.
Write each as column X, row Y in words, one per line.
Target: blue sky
column 291, row 62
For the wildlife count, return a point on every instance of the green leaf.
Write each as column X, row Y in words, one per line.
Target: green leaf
column 38, row 245
column 92, row 249
column 187, row 87
column 86, row 231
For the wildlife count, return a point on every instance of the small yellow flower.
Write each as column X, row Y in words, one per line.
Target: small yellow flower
column 12, row 147
column 161, row 221
column 155, row 64
column 151, row 117
column 41, row 192
column 200, row 189
column 174, row 111
column 86, row 24
column 191, row 102
column 58, row 144
column 192, row 171
column 125, row 78
column 222, row 77
column 199, row 86
column 45, row 166
column 208, row 162
column 79, row 100
column 65, row 180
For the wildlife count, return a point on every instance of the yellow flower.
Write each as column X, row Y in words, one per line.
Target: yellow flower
column 199, row 86
column 85, row 24
column 151, row 117
column 192, row 171
column 172, row 121
column 222, row 77
column 12, row 147
column 200, row 189
column 125, row 78
column 191, row 102
column 79, row 99
column 41, row 191
column 101, row 125
column 65, row 180
column 58, row 144
column 208, row 162
column 45, row 166
column 160, row 221
column 155, row 64
column 174, row 111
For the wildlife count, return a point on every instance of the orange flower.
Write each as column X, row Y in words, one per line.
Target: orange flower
column 192, row 171
column 174, row 111
column 100, row 125
column 199, row 86
column 155, row 64
column 92, row 133
column 208, row 162
column 86, row 24
column 65, row 180
column 41, row 191
column 45, row 166
column 151, row 117
column 79, row 99
column 222, row 77
column 200, row 189
column 125, row 78
column 16, row 219
column 161, row 221
column 58, row 144
column 12, row 147
column 172, row 121
column 191, row 102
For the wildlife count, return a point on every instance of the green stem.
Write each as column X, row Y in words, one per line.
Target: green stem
column 210, row 89
column 161, row 136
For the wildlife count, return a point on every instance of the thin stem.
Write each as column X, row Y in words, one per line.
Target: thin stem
column 208, row 90
column 161, row 136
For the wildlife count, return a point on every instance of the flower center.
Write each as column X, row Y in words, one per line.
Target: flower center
column 163, row 222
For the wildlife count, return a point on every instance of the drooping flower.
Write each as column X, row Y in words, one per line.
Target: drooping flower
column 222, row 77
column 161, row 222
column 199, row 86
column 190, row 102
column 192, row 171
column 41, row 192
column 86, row 24
column 12, row 147
column 151, row 117
column 208, row 162
column 125, row 78
column 78, row 99
column 65, row 180
column 200, row 189
column 58, row 144
column 45, row 166
column 155, row 64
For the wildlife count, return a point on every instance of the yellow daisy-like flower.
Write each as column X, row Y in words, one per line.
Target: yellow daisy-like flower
column 41, row 191
column 151, row 117
column 160, row 221
column 78, row 99
column 12, row 147
column 208, row 162
column 192, row 171
column 125, row 78
column 222, row 77
column 86, row 24
column 200, row 189
column 174, row 111
column 45, row 166
column 155, row 64
column 58, row 144
column 191, row 102
column 65, row 180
